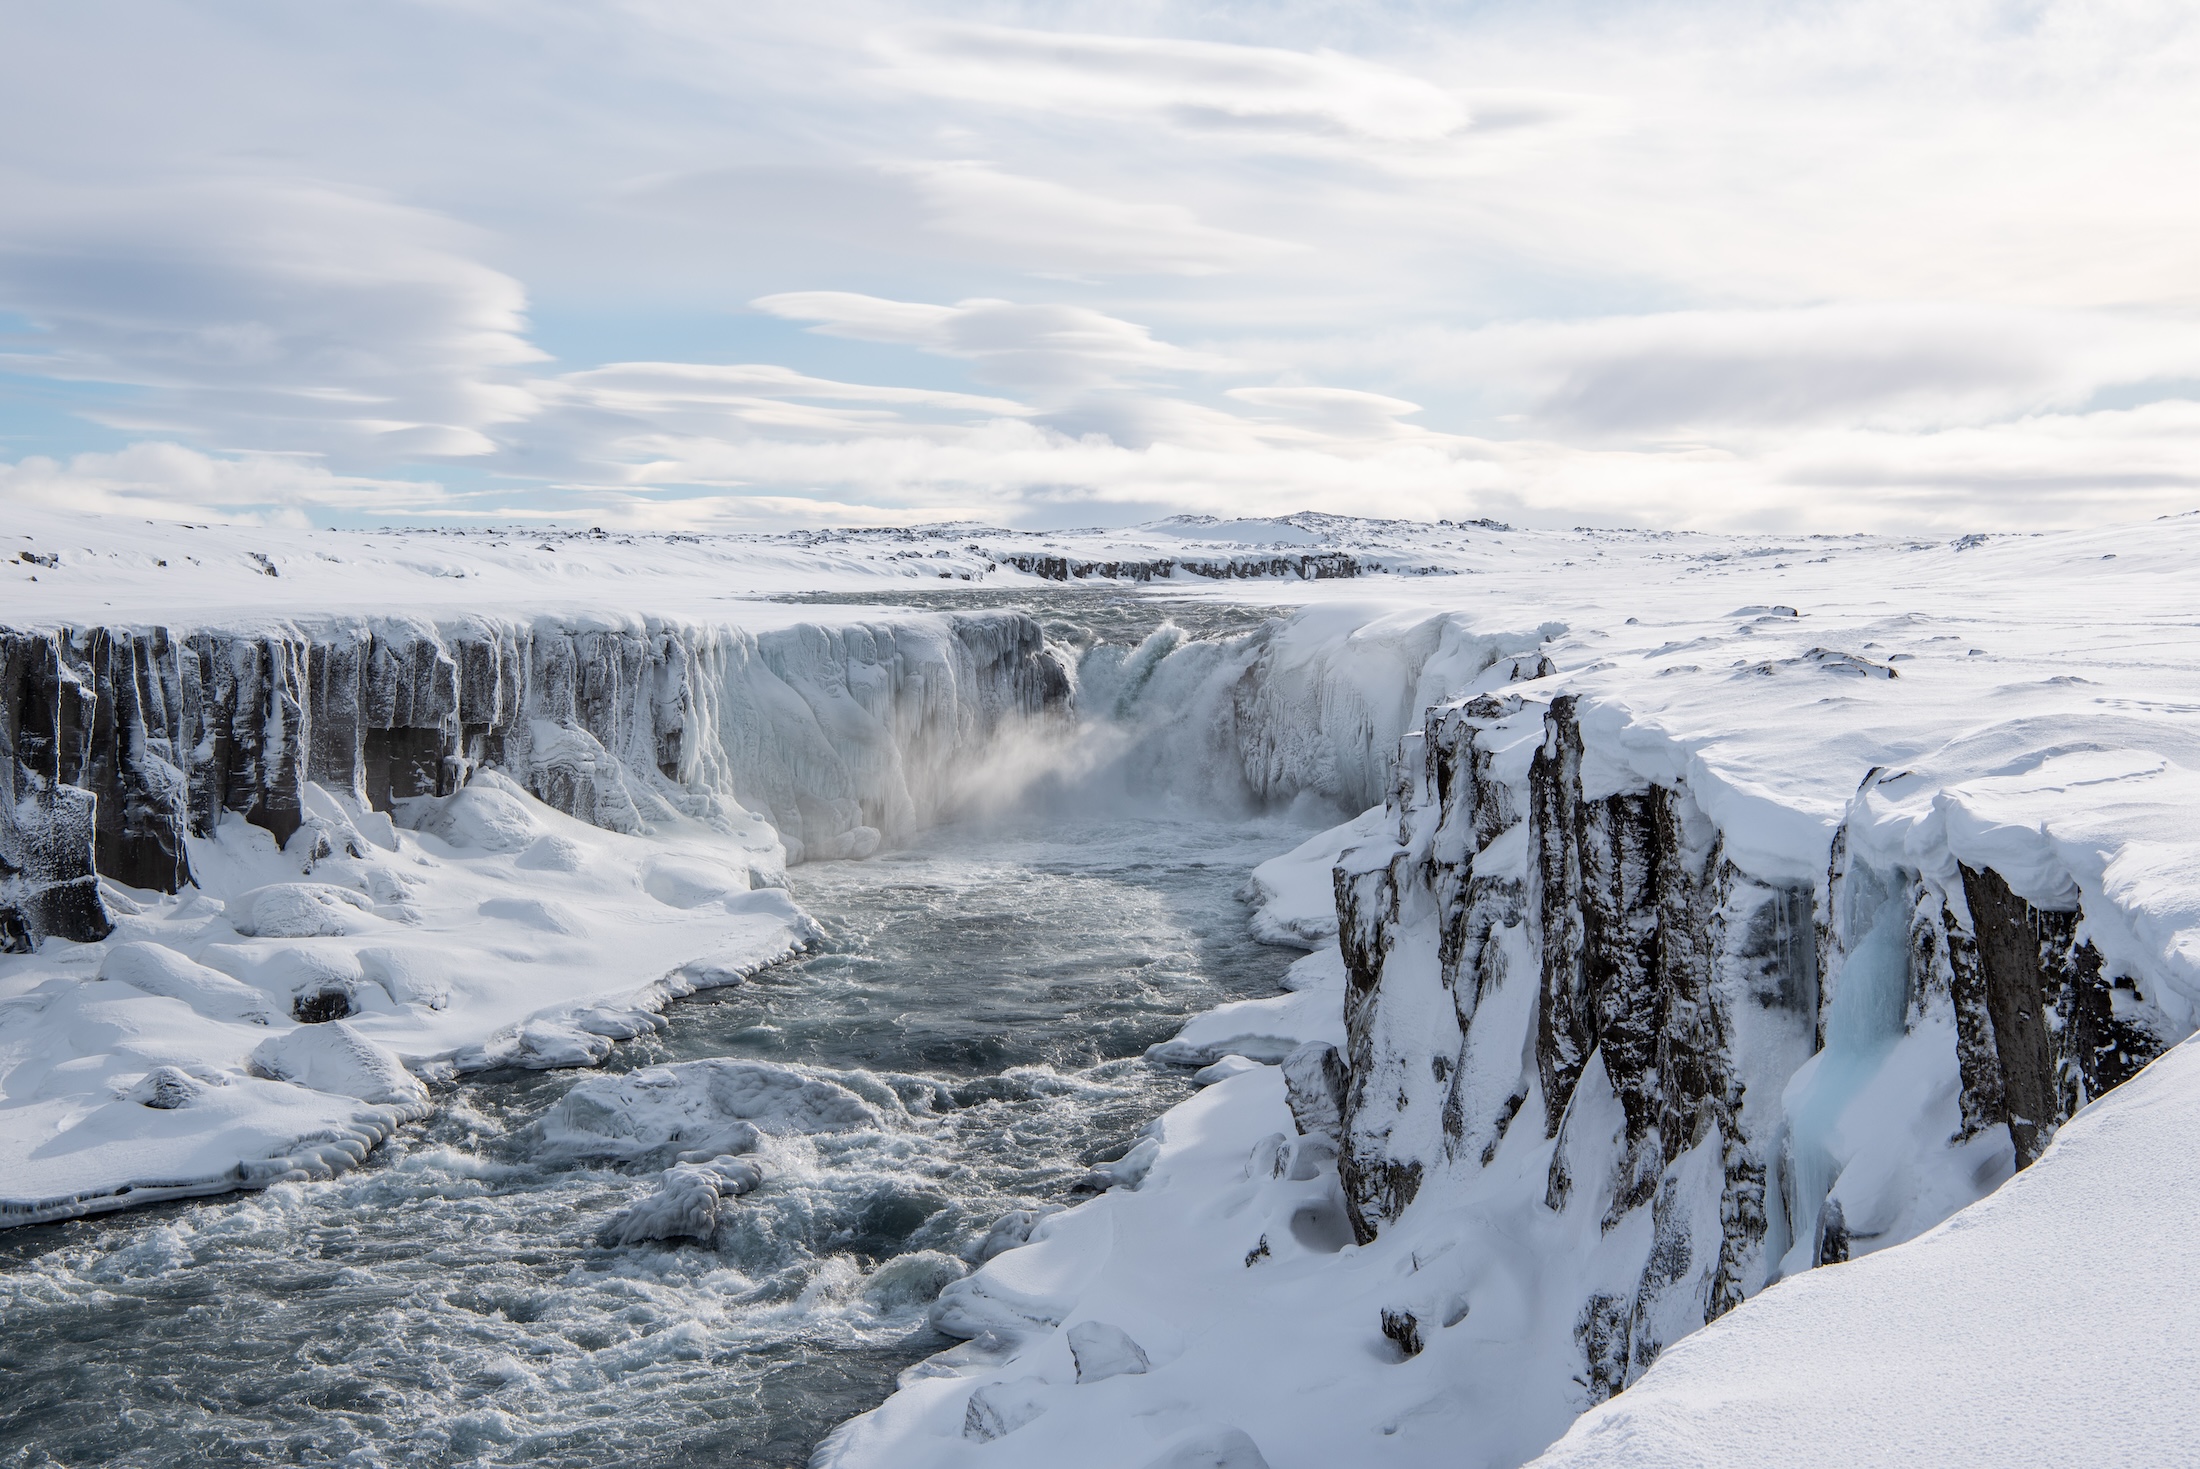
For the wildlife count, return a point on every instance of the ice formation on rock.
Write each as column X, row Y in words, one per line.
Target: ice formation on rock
column 120, row 743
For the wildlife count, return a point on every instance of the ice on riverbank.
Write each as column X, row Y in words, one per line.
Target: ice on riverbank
column 297, row 986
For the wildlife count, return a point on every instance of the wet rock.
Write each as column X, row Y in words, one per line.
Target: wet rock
column 321, row 1007
column 1404, row 1328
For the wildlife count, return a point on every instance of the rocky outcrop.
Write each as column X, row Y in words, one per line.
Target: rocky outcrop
column 47, row 822
column 122, row 742
column 1541, row 941
column 2042, row 1030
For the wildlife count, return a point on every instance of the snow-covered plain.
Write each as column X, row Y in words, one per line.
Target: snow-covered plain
column 2024, row 705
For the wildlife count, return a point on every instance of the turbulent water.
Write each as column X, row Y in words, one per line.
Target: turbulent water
column 448, row 1304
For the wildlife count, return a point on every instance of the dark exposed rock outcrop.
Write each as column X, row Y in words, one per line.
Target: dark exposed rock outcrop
column 2039, row 1024
column 1526, row 945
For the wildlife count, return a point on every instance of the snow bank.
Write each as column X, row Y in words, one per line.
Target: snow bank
column 1293, row 897
column 1957, row 1347
column 299, row 1004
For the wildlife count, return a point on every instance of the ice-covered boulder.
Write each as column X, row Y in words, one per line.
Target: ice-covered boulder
column 310, row 981
column 336, row 1058
column 159, row 970
column 686, row 1202
column 1223, row 1070
column 913, row 1279
column 1000, row 1408
column 1210, row 1447
column 1102, row 1351
column 679, row 880
column 300, row 910
column 490, row 813
column 698, row 1109
column 166, row 1088
column 1009, row 1231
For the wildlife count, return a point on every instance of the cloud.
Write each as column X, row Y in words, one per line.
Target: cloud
column 1861, row 264
column 958, row 210
column 2040, row 472
column 279, row 315
column 1921, row 365
column 1342, row 413
column 653, row 387
column 1268, row 92
column 174, row 482
column 2043, row 471
column 1068, row 230
column 1038, row 347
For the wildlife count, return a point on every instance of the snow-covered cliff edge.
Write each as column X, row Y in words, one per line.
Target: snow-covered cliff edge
column 1660, row 988
column 121, row 741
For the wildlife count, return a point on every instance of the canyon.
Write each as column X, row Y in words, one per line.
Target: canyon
column 1684, row 920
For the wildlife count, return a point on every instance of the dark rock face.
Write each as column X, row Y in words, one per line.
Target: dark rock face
column 48, row 722
column 117, row 743
column 1314, row 1082
column 2040, row 1033
column 1522, row 943
column 1576, row 936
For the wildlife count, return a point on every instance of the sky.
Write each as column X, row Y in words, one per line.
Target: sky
column 673, row 264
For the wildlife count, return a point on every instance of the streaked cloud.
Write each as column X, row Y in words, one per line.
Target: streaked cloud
column 268, row 314
column 1038, row 347
column 1856, row 265
column 1276, row 94
column 171, row 482
column 1057, row 228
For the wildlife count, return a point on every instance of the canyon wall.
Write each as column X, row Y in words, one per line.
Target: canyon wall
column 1546, row 950
column 117, row 743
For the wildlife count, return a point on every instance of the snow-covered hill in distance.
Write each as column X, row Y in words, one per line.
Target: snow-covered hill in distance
column 1762, row 931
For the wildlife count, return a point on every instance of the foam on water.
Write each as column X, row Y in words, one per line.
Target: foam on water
column 989, row 993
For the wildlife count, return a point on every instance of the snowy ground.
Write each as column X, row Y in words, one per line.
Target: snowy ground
column 2030, row 703
column 2050, row 1323
column 496, row 933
